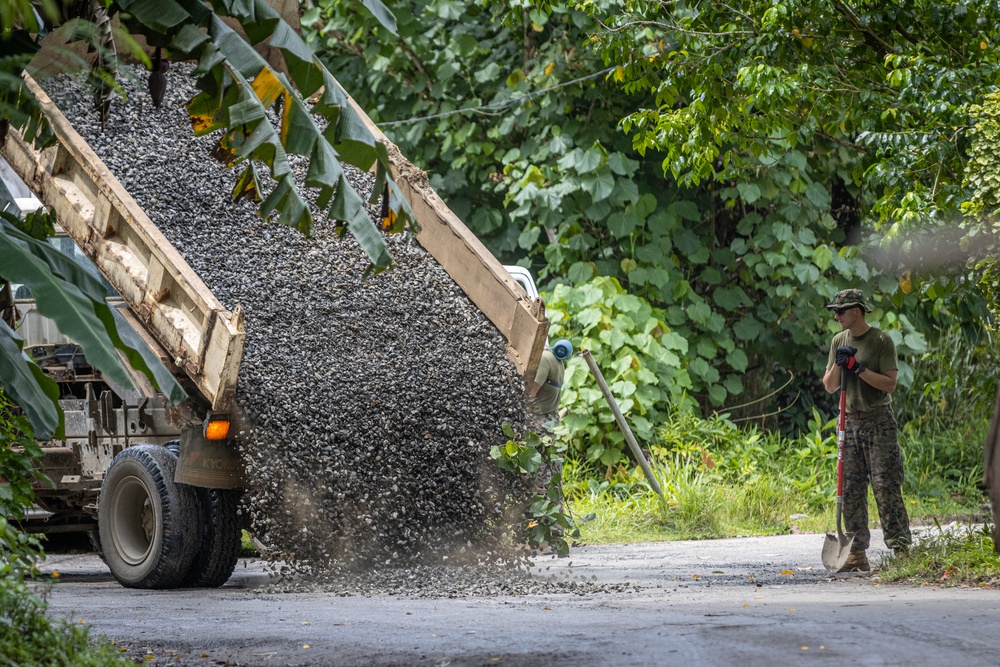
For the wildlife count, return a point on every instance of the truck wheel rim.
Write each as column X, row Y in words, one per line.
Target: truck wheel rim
column 133, row 521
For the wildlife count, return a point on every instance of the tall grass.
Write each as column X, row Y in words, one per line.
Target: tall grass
column 953, row 384
column 720, row 480
column 945, row 412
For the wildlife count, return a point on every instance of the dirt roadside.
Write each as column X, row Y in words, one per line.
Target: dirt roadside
column 764, row 600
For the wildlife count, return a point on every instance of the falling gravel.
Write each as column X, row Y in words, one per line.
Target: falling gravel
column 371, row 404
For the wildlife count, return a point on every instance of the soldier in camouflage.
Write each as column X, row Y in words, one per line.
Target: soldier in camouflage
column 871, row 446
column 546, row 388
column 543, row 403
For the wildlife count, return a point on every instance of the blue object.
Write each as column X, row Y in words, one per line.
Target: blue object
column 562, row 349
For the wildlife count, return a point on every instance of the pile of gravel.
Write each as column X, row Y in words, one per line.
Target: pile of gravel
column 372, row 403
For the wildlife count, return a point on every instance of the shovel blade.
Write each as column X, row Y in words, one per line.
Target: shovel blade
column 836, row 550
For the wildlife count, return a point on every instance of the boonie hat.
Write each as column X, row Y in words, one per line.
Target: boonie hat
column 848, row 298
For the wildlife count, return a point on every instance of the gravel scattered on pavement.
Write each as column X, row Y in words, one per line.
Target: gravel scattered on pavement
column 371, row 404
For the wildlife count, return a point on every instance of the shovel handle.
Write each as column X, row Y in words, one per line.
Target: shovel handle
column 841, row 427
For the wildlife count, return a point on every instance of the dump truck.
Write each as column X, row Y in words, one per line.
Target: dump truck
column 157, row 488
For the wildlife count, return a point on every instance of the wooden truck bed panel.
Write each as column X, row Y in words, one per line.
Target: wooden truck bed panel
column 164, row 294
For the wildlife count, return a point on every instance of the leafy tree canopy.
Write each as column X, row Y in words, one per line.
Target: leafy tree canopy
column 875, row 95
column 727, row 164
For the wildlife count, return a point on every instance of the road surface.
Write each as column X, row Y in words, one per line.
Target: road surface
column 745, row 601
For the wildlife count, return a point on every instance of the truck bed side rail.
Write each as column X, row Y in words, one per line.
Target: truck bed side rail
column 163, row 293
column 485, row 281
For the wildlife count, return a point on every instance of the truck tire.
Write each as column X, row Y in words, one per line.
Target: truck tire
column 148, row 525
column 219, row 548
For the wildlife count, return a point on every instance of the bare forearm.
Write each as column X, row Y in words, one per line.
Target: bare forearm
column 831, row 379
column 882, row 382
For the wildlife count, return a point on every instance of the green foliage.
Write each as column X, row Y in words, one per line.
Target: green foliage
column 651, row 371
column 637, row 353
column 989, row 283
column 18, row 456
column 500, row 112
column 29, row 637
column 16, row 102
column 773, row 173
column 879, row 93
column 540, row 457
column 247, row 548
column 945, row 412
column 814, row 456
column 856, row 119
column 519, row 457
column 944, row 460
column 983, row 177
column 955, row 380
column 21, row 377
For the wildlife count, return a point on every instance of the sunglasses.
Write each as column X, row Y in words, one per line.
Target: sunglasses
column 841, row 311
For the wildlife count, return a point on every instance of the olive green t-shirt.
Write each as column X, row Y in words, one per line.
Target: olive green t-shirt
column 547, row 399
column 877, row 352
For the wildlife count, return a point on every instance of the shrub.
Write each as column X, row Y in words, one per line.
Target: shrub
column 638, row 354
column 30, row 638
column 17, row 466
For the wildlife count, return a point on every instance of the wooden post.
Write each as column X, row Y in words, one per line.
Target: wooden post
column 622, row 424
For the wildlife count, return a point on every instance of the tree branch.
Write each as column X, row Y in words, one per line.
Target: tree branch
column 882, row 47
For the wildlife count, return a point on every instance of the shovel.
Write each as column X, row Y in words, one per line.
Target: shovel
column 837, row 548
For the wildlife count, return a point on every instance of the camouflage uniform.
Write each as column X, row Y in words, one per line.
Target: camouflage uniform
column 544, row 406
column 544, row 423
column 871, row 445
column 871, row 453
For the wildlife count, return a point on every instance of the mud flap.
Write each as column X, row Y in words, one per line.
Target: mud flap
column 208, row 464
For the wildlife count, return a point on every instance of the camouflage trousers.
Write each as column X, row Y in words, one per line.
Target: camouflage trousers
column 871, row 454
column 543, row 424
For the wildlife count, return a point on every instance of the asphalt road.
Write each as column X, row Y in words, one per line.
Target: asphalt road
column 746, row 601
